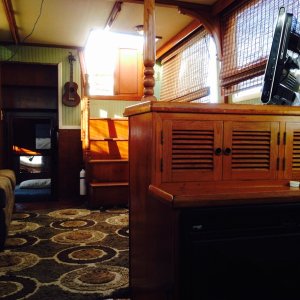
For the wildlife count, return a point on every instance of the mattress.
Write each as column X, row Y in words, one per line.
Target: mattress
column 34, row 194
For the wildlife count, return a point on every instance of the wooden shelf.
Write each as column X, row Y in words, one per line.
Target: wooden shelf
column 29, row 86
column 29, row 74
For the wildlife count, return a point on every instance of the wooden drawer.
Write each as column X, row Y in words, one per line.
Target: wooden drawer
column 107, row 170
column 108, row 194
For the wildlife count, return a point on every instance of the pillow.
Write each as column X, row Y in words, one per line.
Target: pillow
column 36, row 184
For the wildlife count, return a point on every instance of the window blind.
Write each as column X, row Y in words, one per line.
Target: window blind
column 185, row 71
column 247, row 36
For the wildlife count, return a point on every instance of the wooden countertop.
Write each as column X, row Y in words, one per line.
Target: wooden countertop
column 180, row 196
column 211, row 108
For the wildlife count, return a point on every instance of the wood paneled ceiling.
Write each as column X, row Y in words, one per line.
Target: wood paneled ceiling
column 68, row 22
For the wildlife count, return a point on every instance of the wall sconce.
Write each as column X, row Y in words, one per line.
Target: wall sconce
column 140, row 30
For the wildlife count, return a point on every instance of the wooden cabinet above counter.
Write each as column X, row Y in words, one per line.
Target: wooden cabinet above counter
column 218, row 142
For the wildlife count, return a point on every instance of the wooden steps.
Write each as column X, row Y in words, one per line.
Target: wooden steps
column 108, row 194
column 107, row 168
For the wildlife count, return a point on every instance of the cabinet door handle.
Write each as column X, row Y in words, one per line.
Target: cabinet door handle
column 227, row 151
column 218, row 151
column 197, row 227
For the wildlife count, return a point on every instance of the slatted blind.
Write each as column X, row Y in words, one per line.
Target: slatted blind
column 296, row 151
column 251, row 149
column 247, row 36
column 185, row 71
column 192, row 149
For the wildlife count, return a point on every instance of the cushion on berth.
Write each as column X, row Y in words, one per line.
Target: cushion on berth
column 10, row 175
column 6, row 192
column 5, row 186
column 36, row 184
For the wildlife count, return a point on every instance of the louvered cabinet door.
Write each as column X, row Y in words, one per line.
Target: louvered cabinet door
column 292, row 151
column 191, row 150
column 250, row 150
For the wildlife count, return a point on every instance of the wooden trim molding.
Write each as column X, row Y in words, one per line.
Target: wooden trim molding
column 9, row 12
column 195, row 24
column 211, row 24
column 149, row 50
column 221, row 5
column 43, row 45
column 113, row 14
column 205, row 15
column 115, row 97
column 83, row 70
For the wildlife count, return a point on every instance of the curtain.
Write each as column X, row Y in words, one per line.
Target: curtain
column 247, row 37
column 185, row 71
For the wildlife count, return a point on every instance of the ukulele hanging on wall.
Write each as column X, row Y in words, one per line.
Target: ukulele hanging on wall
column 70, row 96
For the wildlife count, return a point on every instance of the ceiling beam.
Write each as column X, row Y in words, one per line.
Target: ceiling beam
column 195, row 24
column 220, row 5
column 9, row 12
column 113, row 14
column 215, row 8
column 174, row 3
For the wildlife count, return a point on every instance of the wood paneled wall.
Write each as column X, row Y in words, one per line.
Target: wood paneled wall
column 69, row 163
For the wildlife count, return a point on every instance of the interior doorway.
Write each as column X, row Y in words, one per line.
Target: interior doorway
column 31, row 151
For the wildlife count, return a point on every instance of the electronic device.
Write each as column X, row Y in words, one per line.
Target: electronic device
column 282, row 74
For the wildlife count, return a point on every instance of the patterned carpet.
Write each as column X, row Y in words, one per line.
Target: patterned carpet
column 66, row 254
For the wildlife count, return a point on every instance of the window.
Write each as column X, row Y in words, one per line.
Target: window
column 247, row 36
column 189, row 73
column 114, row 64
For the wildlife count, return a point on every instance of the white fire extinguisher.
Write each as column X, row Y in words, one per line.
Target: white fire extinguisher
column 82, row 183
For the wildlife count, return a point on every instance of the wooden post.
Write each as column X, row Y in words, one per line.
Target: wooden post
column 149, row 50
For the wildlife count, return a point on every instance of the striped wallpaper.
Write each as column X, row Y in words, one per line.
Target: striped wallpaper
column 69, row 116
column 109, row 109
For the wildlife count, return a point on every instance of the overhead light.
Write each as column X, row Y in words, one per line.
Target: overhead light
column 140, row 30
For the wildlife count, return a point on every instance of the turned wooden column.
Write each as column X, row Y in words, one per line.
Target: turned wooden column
column 149, row 50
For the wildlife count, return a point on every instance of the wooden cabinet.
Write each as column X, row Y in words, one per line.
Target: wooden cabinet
column 209, row 147
column 129, row 73
column 187, row 158
column 188, row 150
column 291, row 160
column 208, row 150
column 239, row 252
column 126, row 82
column 250, row 150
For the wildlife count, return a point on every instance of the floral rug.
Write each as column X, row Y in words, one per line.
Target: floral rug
column 66, row 254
